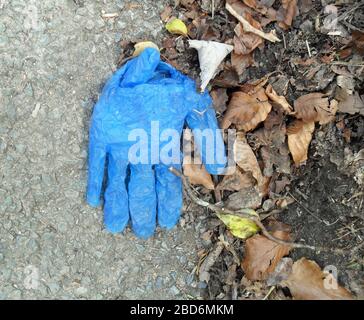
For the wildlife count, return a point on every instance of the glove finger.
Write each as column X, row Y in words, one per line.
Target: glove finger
column 169, row 195
column 96, row 167
column 207, row 136
column 116, row 210
column 142, row 200
column 208, row 140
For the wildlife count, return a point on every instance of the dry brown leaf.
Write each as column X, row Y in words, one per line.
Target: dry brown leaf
column 263, row 108
column 197, row 173
column 251, row 3
column 192, row 14
column 254, row 86
column 246, row 159
column 170, row 53
column 240, row 7
column 246, row 111
column 265, row 8
column 346, row 82
column 331, row 110
column 315, row 107
column 236, row 181
column 327, row 59
column 262, row 255
column 257, row 84
column 345, row 53
column 245, row 198
column 347, row 135
column 304, row 61
column 194, row 28
column 306, row 5
column 349, row 103
column 275, row 159
column 279, row 185
column 272, row 140
column 219, row 98
column 307, row 106
column 210, row 34
column 275, row 118
column 287, row 13
column 250, row 27
column 186, row 3
column 299, row 138
column 168, row 42
column 279, row 100
column 358, row 40
column 282, row 203
column 227, row 79
column 166, row 13
column 343, row 71
column 264, row 188
column 240, row 62
column 308, row 282
column 201, row 29
column 245, row 43
column 193, row 9
column 241, row 109
column 281, row 272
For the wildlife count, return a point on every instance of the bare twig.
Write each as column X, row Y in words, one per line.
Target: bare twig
column 346, row 234
column 269, row 293
column 349, row 25
column 349, row 64
column 217, row 192
column 308, row 49
column 284, row 42
column 359, row 194
column 265, row 215
column 249, row 28
column 244, row 213
column 110, row 15
column 308, row 210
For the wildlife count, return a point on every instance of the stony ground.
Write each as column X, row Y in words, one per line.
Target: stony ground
column 55, row 56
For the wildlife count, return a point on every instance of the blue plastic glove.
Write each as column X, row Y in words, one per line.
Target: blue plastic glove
column 142, row 93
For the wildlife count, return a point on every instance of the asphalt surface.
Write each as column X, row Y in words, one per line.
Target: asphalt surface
column 55, row 56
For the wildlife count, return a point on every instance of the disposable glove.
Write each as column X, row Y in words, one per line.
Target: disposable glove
column 144, row 94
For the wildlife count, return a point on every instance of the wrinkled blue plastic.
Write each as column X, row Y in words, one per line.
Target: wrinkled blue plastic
column 145, row 89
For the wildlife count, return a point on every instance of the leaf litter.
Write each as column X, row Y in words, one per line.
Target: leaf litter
column 283, row 78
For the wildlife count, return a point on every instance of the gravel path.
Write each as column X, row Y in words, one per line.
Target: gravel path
column 55, row 56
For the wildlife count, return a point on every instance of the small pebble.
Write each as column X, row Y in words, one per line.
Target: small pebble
column 174, row 290
column 81, row 291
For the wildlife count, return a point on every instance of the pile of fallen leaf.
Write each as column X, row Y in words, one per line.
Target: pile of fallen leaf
column 275, row 116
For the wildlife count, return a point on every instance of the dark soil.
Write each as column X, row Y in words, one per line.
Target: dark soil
column 324, row 190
